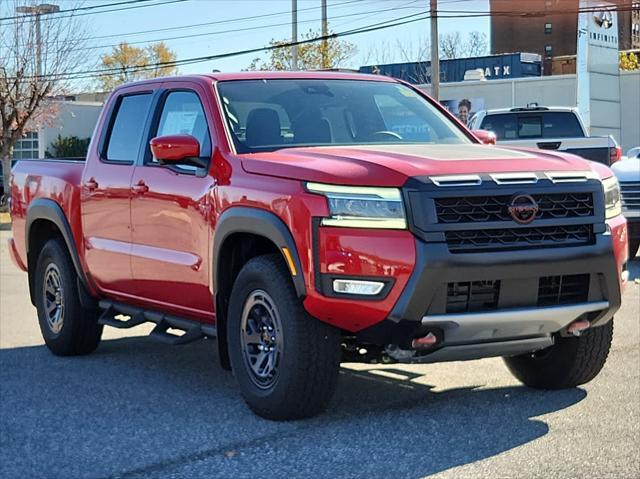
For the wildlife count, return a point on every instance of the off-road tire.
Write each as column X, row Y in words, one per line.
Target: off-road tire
column 80, row 332
column 634, row 245
column 308, row 370
column 570, row 362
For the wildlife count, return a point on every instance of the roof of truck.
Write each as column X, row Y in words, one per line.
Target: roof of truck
column 530, row 109
column 273, row 75
column 265, row 75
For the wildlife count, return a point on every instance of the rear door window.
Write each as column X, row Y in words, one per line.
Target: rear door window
column 127, row 128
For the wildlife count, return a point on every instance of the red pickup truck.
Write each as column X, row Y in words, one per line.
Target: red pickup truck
column 304, row 219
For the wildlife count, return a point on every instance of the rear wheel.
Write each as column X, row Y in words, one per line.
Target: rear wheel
column 67, row 327
column 571, row 361
column 285, row 361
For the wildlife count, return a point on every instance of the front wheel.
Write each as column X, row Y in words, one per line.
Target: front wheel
column 571, row 361
column 285, row 361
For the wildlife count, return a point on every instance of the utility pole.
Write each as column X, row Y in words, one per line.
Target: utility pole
column 325, row 32
column 294, row 34
column 435, row 58
column 37, row 11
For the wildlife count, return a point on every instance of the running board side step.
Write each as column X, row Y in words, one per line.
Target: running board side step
column 193, row 330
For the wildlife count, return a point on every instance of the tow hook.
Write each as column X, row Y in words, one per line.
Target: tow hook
column 424, row 342
column 577, row 327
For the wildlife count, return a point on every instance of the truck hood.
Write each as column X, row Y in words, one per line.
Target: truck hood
column 392, row 165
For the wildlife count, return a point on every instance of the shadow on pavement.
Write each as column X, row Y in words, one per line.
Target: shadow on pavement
column 136, row 408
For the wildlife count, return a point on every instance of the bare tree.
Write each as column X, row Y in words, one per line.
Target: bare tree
column 452, row 45
column 379, row 54
column 28, row 79
column 476, row 45
column 415, row 52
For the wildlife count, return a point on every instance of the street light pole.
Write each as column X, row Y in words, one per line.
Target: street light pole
column 37, row 11
column 294, row 34
column 325, row 32
column 435, row 59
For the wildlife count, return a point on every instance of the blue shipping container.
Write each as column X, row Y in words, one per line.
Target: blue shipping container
column 494, row 67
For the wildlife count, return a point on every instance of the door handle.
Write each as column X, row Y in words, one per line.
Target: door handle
column 91, row 184
column 140, row 187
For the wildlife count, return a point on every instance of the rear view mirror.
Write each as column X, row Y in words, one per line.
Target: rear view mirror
column 486, row 137
column 177, row 149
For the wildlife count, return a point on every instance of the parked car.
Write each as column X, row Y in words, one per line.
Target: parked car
column 309, row 218
column 628, row 173
column 548, row 128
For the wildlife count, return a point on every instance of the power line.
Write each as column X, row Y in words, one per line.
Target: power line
column 217, row 22
column 18, row 18
column 77, row 9
column 369, row 28
column 188, row 61
column 244, row 29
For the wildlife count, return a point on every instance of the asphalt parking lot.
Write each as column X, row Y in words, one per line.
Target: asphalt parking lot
column 137, row 408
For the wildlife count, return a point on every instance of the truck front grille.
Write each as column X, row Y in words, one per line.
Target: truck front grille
column 516, row 238
column 630, row 194
column 470, row 296
column 476, row 209
column 478, row 296
column 567, row 289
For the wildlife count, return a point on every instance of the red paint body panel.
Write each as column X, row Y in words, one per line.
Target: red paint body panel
column 362, row 252
column 15, row 257
column 173, row 148
column 619, row 238
column 151, row 246
column 377, row 166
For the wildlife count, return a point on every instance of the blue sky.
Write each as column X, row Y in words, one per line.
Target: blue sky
column 258, row 32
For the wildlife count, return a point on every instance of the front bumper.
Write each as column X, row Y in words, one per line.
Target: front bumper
column 518, row 324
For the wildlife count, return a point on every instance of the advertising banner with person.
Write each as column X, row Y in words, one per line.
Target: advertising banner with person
column 464, row 108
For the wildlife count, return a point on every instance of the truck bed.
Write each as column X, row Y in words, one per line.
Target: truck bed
column 595, row 148
column 54, row 179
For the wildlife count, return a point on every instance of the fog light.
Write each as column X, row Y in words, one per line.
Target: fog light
column 354, row 286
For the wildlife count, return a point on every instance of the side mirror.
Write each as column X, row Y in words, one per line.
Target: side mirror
column 486, row 137
column 176, row 149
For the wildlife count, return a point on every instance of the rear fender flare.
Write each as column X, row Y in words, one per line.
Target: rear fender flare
column 49, row 210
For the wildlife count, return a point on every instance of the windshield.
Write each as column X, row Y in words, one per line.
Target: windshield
column 266, row 115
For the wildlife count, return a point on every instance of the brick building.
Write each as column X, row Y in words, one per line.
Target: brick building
column 525, row 26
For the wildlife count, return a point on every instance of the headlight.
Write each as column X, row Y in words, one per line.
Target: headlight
column 612, row 203
column 362, row 207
